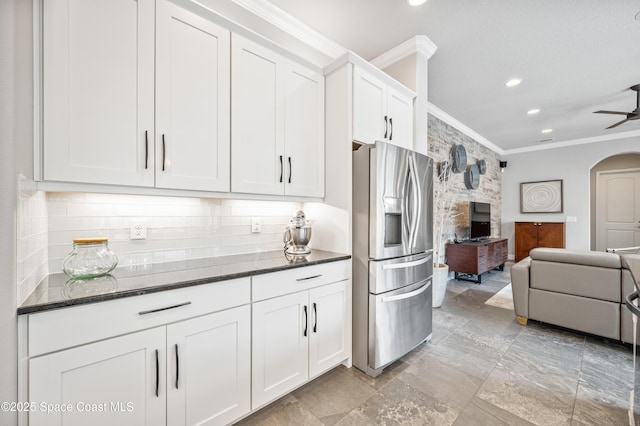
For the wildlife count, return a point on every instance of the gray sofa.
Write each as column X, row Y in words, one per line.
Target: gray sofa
column 580, row 290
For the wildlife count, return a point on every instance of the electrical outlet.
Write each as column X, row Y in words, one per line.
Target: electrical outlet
column 256, row 225
column 138, row 230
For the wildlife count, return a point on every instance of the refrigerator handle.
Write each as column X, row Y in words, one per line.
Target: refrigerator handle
column 406, row 295
column 407, row 264
column 417, row 198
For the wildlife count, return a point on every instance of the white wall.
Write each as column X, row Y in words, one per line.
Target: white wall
column 15, row 139
column 572, row 164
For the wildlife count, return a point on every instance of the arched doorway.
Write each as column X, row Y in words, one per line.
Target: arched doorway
column 615, row 202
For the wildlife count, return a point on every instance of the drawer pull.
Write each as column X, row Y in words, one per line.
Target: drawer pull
column 151, row 311
column 309, row 278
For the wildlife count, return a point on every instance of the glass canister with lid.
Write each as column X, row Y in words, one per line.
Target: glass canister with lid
column 91, row 257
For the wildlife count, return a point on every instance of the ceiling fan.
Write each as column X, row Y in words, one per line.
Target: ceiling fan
column 633, row 115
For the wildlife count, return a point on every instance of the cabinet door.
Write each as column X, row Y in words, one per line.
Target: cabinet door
column 208, row 373
column 369, row 108
column 551, row 235
column 98, row 89
column 526, row 238
column 257, row 121
column 114, row 382
column 328, row 322
column 400, row 111
column 193, row 101
column 304, row 132
column 280, row 346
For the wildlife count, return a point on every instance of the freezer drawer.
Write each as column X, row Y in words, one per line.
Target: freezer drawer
column 399, row 321
column 392, row 274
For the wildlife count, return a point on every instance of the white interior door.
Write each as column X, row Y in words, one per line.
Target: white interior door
column 618, row 209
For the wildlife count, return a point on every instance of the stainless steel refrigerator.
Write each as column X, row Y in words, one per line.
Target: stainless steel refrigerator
column 392, row 254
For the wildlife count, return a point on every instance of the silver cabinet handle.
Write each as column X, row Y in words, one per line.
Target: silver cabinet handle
column 151, row 311
column 309, row 278
column 407, row 264
column 406, row 295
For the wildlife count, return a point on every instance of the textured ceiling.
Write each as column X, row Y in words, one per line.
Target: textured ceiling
column 574, row 57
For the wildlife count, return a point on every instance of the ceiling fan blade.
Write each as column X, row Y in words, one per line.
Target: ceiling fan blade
column 610, row 112
column 617, row 124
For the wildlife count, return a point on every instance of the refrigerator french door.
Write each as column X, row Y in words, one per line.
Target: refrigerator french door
column 392, row 254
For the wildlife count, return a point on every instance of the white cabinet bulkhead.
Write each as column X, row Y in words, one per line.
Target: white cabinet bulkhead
column 381, row 111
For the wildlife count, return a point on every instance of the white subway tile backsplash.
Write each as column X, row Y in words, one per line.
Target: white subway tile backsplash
column 178, row 228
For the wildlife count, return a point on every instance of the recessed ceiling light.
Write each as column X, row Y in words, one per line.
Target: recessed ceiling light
column 533, row 111
column 513, row 82
column 416, row 2
column 547, row 131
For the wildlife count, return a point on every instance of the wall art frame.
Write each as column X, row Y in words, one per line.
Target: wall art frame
column 544, row 196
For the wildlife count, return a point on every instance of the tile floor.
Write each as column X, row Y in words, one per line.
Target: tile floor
column 480, row 368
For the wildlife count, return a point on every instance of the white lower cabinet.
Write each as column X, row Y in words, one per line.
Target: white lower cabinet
column 113, row 382
column 208, row 361
column 201, row 355
column 178, row 364
column 296, row 337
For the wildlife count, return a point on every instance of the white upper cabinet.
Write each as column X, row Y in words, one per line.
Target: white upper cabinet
column 98, row 88
column 257, row 120
column 101, row 95
column 380, row 111
column 192, row 101
column 304, row 132
column 277, row 122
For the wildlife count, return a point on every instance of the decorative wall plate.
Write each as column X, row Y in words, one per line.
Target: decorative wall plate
column 459, row 155
column 472, row 177
column 482, row 166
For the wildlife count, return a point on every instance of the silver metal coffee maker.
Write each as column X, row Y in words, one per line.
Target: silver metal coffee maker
column 297, row 235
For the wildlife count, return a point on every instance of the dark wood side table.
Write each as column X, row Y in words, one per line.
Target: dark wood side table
column 474, row 258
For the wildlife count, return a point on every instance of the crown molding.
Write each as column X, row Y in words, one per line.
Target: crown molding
column 573, row 142
column 418, row 44
column 287, row 23
column 437, row 112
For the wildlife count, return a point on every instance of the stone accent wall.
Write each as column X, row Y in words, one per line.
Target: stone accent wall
column 442, row 138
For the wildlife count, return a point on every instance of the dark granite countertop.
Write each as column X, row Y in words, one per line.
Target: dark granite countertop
column 58, row 291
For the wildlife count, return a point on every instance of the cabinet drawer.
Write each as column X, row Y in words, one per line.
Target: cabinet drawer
column 286, row 282
column 54, row 330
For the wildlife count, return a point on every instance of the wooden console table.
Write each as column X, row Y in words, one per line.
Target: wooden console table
column 476, row 258
column 529, row 235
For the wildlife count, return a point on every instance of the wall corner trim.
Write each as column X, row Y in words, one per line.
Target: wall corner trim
column 437, row 112
column 287, row 23
column 418, row 44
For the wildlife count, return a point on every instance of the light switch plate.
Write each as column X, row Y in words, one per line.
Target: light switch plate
column 256, row 225
column 572, row 219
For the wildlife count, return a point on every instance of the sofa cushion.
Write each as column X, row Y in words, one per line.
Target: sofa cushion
column 580, row 280
column 578, row 313
column 578, row 257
